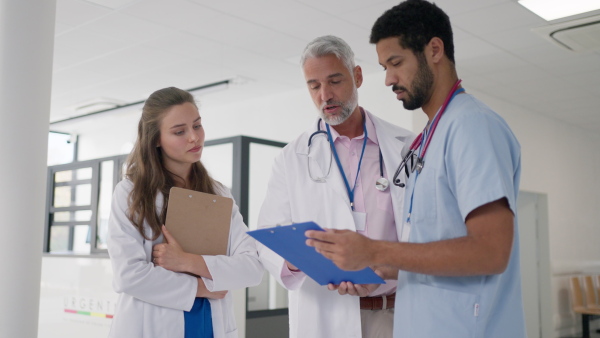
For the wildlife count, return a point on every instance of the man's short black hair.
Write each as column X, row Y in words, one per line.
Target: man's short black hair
column 415, row 23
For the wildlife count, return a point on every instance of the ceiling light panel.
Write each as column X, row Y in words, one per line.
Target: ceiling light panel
column 556, row 9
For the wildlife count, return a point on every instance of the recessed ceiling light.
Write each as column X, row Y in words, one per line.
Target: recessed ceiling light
column 556, row 9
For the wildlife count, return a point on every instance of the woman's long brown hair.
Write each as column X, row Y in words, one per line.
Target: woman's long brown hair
column 145, row 166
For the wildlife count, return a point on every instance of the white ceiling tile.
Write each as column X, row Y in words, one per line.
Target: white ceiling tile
column 263, row 44
column 73, row 78
column 190, row 46
column 504, row 16
column 547, row 52
column 337, row 7
column 118, row 90
column 126, row 28
column 198, row 20
column 492, row 63
column 572, row 107
column 256, row 67
column 547, row 90
column 588, row 81
column 365, row 17
column 179, row 14
column 455, row 7
column 526, row 73
column 60, row 28
column 475, row 81
column 132, row 60
column 460, row 34
column 242, row 93
column 507, row 93
column 595, row 90
column 521, row 37
column 475, row 48
column 333, row 26
column 80, row 45
column 113, row 4
column 231, row 7
column 576, row 63
column 238, row 32
column 77, row 12
column 275, row 14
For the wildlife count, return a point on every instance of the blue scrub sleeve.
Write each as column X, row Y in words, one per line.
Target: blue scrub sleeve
column 482, row 159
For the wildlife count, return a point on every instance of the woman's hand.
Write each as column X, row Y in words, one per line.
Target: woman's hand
column 170, row 255
column 203, row 291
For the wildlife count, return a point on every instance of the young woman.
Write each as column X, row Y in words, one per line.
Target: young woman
column 164, row 291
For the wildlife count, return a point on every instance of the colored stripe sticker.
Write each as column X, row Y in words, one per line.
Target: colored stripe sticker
column 91, row 314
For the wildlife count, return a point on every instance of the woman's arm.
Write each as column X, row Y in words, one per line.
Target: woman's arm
column 133, row 273
column 241, row 268
column 171, row 256
column 203, row 291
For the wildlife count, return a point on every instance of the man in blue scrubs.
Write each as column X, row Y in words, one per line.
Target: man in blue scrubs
column 459, row 273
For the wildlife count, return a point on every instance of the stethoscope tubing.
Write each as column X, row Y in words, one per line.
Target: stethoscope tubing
column 426, row 131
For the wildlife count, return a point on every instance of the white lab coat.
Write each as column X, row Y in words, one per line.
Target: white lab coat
column 293, row 197
column 152, row 299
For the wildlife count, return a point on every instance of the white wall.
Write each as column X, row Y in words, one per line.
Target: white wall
column 558, row 160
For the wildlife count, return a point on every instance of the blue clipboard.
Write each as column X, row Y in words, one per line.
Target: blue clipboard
column 289, row 242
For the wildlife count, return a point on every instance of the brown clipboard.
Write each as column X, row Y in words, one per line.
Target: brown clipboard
column 199, row 221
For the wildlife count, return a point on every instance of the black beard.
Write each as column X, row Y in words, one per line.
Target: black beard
column 421, row 86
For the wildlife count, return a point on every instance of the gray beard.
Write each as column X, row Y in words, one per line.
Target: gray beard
column 347, row 109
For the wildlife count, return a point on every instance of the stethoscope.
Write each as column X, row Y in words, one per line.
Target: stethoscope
column 381, row 183
column 420, row 139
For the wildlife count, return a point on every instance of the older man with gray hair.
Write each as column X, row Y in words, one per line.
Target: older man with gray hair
column 338, row 175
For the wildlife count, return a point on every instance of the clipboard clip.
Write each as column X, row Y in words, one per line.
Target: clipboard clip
column 279, row 226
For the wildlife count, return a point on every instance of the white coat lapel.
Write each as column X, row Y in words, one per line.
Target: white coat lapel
column 391, row 142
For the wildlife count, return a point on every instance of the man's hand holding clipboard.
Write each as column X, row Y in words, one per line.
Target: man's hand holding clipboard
column 290, row 243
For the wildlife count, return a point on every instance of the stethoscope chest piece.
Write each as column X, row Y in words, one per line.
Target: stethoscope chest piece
column 382, row 184
column 419, row 165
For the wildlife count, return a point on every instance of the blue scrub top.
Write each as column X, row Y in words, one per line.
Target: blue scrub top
column 473, row 159
column 198, row 321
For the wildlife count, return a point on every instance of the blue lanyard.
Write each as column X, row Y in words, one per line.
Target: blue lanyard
column 337, row 160
column 412, row 195
column 426, row 136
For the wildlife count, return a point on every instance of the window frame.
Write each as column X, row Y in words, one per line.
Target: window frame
column 95, row 166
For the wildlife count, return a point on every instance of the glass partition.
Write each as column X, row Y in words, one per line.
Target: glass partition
column 268, row 295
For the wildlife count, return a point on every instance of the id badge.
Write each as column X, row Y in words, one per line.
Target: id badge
column 360, row 220
column 405, row 232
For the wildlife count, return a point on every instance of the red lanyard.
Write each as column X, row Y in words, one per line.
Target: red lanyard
column 417, row 142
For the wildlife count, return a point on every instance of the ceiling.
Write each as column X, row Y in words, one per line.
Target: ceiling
column 122, row 50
